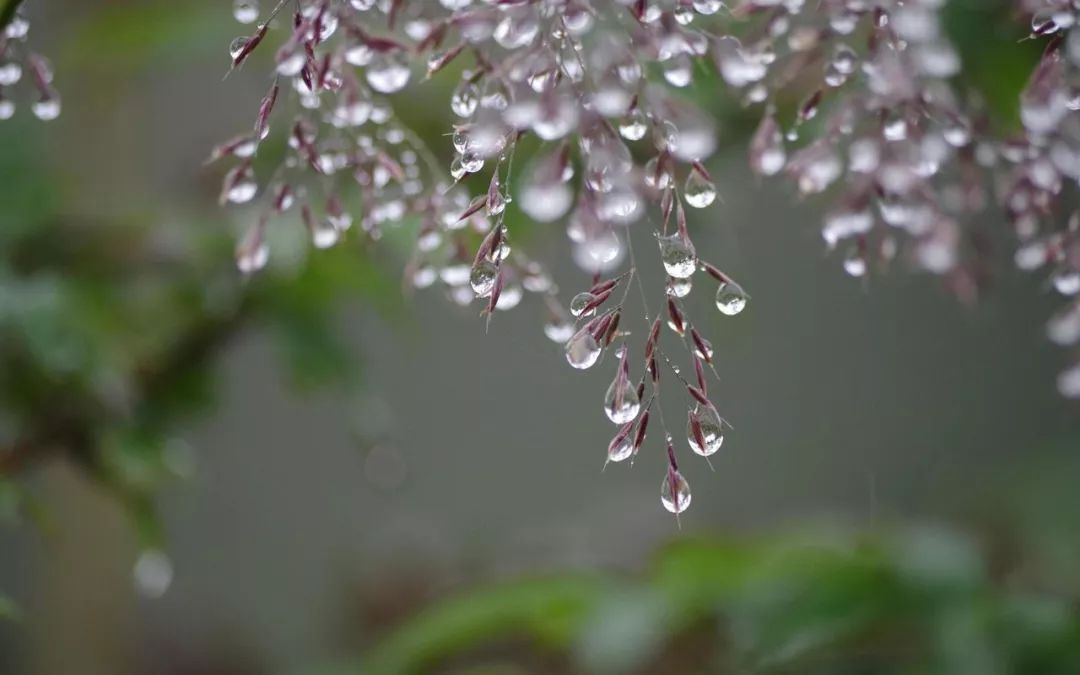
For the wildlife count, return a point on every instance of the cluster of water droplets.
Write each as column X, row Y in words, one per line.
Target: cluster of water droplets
column 1043, row 166
column 879, row 128
column 23, row 70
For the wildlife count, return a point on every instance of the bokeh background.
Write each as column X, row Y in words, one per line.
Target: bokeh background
column 342, row 457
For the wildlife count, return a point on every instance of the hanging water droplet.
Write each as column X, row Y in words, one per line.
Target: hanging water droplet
column 1067, row 281
column 707, row 7
column 578, row 304
column 246, row 11
column 387, row 73
column 678, row 255
column 582, row 350
column 704, row 431
column 675, row 492
column 855, row 263
column 621, row 402
column 48, row 108
column 699, row 191
column 471, row 161
column 482, row 277
column 10, row 73
column 559, row 330
column 730, row 298
column 633, row 126
column 679, row 288
column 324, row 234
column 621, row 448
column 465, row 99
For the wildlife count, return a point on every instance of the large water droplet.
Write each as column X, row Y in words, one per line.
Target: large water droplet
column 482, row 278
column 675, row 492
column 388, row 73
column 678, row 255
column 730, row 298
column 246, row 11
column 709, row 436
column 582, row 350
column 621, row 403
column 465, row 99
column 699, row 191
column 579, row 303
column 679, row 288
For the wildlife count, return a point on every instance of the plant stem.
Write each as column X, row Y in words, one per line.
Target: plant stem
column 7, row 12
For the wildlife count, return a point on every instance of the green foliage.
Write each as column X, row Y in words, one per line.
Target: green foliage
column 919, row 601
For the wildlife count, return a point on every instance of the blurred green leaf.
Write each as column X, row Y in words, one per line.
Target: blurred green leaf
column 551, row 611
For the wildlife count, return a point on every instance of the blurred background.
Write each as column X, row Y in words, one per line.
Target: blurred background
column 312, row 472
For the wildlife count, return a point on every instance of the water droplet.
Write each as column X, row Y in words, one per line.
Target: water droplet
column 559, row 330
column 237, row 46
column 675, row 492
column 707, row 438
column 10, row 73
column 730, row 298
column 246, row 11
column 387, row 73
column 152, row 574
column 1067, row 281
column 634, row 125
column 47, row 108
column 324, row 234
column 578, row 304
column 707, row 7
column 678, row 255
column 482, row 277
column 621, row 403
column 699, row 191
column 582, row 350
column 621, row 447
column 465, row 99
column 679, row 288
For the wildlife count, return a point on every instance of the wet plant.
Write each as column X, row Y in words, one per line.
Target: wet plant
column 856, row 101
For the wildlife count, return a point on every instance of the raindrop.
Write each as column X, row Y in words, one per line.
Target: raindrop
column 582, row 350
column 579, row 303
column 730, row 298
column 246, row 11
column 679, row 288
column 699, row 191
column 482, row 277
column 387, row 73
column 708, row 436
column 621, row 403
column 678, row 255
column 675, row 492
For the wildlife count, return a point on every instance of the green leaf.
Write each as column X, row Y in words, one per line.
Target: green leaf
column 551, row 611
